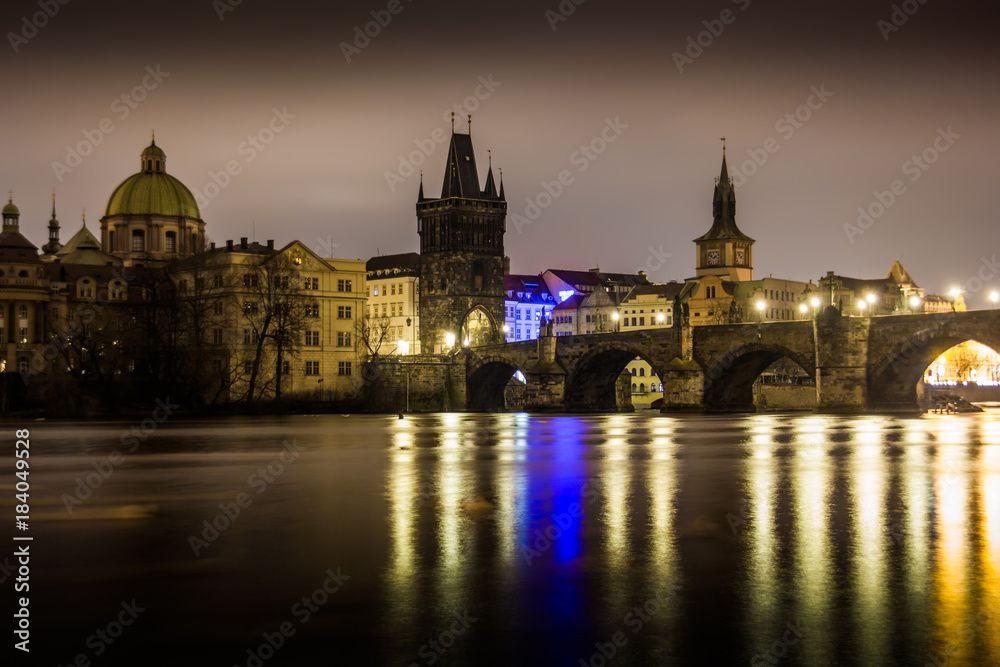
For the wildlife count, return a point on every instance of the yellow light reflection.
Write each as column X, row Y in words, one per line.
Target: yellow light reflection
column 755, row 523
column 951, row 604
column 869, row 533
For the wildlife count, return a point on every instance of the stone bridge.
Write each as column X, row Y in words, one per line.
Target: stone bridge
column 859, row 363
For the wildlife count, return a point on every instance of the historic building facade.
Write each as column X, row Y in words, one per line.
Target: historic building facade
column 394, row 301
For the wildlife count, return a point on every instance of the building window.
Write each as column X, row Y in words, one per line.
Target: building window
column 170, row 242
column 393, row 310
column 250, row 280
column 312, row 368
column 312, row 310
column 22, row 311
column 344, row 312
column 343, row 367
column 218, row 308
column 248, row 367
column 345, row 286
column 24, row 335
column 138, row 240
column 312, row 283
column 393, row 289
column 343, row 339
column 642, row 387
column 22, row 365
column 217, row 336
column 217, row 280
column 375, row 290
column 312, row 338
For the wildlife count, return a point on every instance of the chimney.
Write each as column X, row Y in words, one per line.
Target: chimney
column 229, row 245
column 270, row 244
column 506, row 265
column 213, row 245
column 243, row 242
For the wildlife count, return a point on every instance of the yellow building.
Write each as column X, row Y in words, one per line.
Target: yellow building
column 393, row 293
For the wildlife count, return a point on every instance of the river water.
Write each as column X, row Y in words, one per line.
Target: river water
column 510, row 539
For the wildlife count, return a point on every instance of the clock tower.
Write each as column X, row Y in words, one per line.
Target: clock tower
column 724, row 250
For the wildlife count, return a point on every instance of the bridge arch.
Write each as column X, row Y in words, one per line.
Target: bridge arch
column 894, row 373
column 729, row 379
column 590, row 384
column 486, row 380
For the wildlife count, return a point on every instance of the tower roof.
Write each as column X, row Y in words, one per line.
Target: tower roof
column 899, row 275
column 461, row 178
column 10, row 208
column 724, row 209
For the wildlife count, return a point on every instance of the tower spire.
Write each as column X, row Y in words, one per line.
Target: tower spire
column 53, row 246
column 453, row 122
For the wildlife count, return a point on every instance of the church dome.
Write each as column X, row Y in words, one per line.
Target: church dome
column 153, row 191
column 10, row 209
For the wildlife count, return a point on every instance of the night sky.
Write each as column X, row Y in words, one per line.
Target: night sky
column 889, row 92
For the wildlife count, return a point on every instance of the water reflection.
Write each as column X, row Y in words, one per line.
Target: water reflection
column 879, row 537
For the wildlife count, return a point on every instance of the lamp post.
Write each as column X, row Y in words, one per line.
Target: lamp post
column 661, row 318
column 761, row 305
column 915, row 302
column 994, row 297
column 861, row 306
column 803, row 308
column 506, row 331
column 870, row 298
column 616, row 317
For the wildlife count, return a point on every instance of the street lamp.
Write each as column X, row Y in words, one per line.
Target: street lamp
column 761, row 305
column 661, row 318
column 915, row 302
column 506, row 331
column 803, row 308
column 994, row 297
column 861, row 306
column 465, row 343
column 449, row 339
column 615, row 316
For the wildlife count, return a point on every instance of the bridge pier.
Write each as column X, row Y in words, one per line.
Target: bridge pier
column 546, row 379
column 683, row 386
column 841, row 363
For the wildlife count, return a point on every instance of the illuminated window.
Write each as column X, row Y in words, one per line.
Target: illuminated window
column 170, row 242
column 138, row 240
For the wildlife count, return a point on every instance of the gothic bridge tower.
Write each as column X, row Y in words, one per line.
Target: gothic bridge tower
column 461, row 254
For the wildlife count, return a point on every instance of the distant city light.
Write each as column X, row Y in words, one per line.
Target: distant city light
column 870, row 298
column 761, row 306
column 994, row 297
column 465, row 342
column 861, row 304
column 661, row 317
column 955, row 292
column 814, row 302
column 615, row 316
column 803, row 308
column 914, row 301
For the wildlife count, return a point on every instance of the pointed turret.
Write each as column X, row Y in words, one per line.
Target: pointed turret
column 724, row 209
column 53, row 246
column 490, row 191
column 502, row 196
column 420, row 195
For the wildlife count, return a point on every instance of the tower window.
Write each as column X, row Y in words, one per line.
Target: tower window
column 477, row 275
column 138, row 240
column 170, row 242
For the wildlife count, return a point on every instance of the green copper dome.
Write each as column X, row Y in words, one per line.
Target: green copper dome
column 153, row 193
column 10, row 209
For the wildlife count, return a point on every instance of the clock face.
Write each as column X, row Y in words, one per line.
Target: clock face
column 741, row 256
column 713, row 257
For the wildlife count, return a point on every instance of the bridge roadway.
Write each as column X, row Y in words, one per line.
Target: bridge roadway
column 860, row 364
